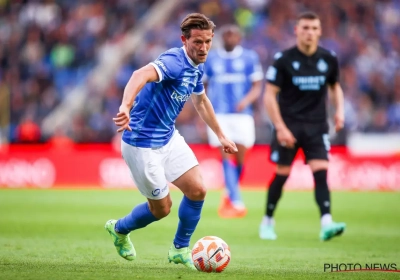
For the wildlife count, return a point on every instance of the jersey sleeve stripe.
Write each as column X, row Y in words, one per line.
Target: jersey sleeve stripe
column 160, row 75
column 256, row 76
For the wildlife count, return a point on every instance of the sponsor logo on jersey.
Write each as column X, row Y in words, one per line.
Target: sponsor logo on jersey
column 185, row 82
column 230, row 78
column 180, row 97
column 309, row 82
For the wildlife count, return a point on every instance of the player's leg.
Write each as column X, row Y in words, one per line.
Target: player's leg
column 232, row 205
column 241, row 131
column 229, row 165
column 181, row 168
column 316, row 151
column 146, row 169
column 283, row 157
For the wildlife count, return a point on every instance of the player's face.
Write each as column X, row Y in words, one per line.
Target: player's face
column 198, row 45
column 308, row 31
column 231, row 40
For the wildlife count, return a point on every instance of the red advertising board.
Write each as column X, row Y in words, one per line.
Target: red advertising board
column 46, row 166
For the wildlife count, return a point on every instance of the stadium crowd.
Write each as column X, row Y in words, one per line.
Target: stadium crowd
column 47, row 47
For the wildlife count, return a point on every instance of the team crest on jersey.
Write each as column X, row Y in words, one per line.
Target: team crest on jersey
column 296, row 65
column 218, row 68
column 238, row 65
column 322, row 65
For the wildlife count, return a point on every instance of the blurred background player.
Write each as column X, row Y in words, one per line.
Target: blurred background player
column 154, row 150
column 301, row 76
column 233, row 77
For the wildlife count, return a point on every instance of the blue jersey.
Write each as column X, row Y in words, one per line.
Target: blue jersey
column 158, row 104
column 230, row 76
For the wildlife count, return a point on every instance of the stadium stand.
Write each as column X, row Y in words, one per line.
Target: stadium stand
column 48, row 47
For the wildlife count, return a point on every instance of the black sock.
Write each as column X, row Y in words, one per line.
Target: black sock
column 274, row 193
column 322, row 194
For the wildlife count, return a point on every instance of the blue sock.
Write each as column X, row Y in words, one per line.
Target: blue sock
column 138, row 218
column 231, row 180
column 189, row 216
column 239, row 169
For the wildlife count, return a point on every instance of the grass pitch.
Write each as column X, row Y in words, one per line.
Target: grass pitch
column 59, row 234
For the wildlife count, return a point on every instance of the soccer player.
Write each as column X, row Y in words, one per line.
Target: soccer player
column 233, row 77
column 302, row 76
column 154, row 150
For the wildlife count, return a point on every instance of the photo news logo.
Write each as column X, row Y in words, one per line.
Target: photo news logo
column 347, row 267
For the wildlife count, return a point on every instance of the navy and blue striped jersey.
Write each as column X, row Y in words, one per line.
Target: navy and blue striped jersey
column 158, row 104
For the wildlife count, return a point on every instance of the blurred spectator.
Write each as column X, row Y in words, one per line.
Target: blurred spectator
column 47, row 47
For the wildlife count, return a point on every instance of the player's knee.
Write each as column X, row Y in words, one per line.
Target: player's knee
column 318, row 164
column 198, row 193
column 161, row 210
column 283, row 170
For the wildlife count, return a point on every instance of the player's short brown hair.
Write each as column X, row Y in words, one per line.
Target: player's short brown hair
column 307, row 15
column 196, row 21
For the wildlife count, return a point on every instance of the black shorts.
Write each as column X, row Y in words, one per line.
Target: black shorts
column 313, row 138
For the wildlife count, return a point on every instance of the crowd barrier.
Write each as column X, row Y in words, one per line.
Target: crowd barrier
column 101, row 166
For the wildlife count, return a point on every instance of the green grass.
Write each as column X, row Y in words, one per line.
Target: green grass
column 59, row 234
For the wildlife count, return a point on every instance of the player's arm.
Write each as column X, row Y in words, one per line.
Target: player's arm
column 251, row 96
column 284, row 135
column 271, row 104
column 255, row 75
column 336, row 93
column 166, row 67
column 206, row 111
column 336, row 96
column 136, row 82
column 275, row 81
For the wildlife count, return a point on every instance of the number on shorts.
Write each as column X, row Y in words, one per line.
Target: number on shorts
column 327, row 142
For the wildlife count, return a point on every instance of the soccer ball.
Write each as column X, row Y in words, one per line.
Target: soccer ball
column 211, row 254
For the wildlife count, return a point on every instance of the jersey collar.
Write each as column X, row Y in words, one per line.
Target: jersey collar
column 311, row 56
column 189, row 59
column 235, row 53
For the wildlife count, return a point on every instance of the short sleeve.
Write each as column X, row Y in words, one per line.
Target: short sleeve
column 334, row 75
column 199, row 89
column 255, row 73
column 168, row 66
column 274, row 73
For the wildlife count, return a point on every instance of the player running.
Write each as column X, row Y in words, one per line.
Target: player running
column 301, row 75
column 233, row 77
column 154, row 150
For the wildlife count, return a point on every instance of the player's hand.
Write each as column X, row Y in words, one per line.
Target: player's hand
column 122, row 119
column 228, row 146
column 286, row 138
column 242, row 104
column 339, row 121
